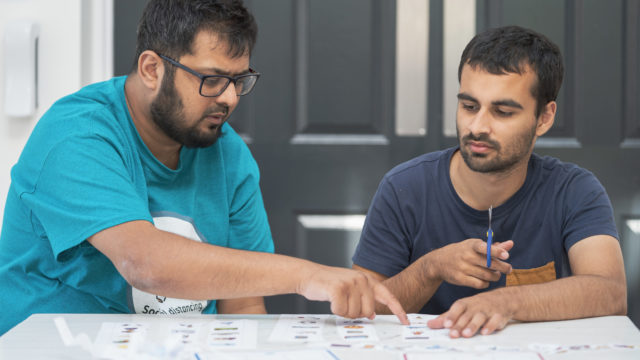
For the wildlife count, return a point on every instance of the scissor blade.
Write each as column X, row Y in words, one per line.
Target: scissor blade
column 490, row 211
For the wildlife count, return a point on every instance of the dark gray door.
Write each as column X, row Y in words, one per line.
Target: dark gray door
column 321, row 124
column 323, row 121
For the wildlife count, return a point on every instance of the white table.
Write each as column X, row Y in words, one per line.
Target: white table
column 37, row 337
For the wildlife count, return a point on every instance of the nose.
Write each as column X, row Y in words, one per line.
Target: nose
column 228, row 98
column 480, row 123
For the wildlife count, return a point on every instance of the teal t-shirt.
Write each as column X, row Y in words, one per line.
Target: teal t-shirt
column 85, row 169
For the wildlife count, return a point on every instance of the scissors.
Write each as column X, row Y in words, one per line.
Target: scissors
column 489, row 238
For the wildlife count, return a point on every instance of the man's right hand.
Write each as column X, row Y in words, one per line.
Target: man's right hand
column 352, row 293
column 464, row 263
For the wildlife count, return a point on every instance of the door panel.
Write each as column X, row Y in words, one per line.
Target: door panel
column 323, row 154
column 338, row 76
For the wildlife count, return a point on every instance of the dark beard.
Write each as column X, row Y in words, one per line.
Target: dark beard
column 499, row 164
column 167, row 114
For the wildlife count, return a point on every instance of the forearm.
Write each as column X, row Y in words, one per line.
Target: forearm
column 202, row 271
column 175, row 266
column 253, row 305
column 598, row 288
column 573, row 297
column 170, row 265
column 413, row 287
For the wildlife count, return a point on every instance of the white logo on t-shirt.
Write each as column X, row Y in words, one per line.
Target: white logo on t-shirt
column 146, row 303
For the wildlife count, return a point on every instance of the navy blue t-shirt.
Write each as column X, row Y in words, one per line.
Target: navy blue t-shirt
column 417, row 210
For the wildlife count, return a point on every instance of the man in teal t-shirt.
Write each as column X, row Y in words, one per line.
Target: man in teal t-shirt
column 135, row 196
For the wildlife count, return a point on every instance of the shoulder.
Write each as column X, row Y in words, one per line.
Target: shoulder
column 421, row 168
column 96, row 108
column 91, row 115
column 564, row 175
column 574, row 190
column 106, row 95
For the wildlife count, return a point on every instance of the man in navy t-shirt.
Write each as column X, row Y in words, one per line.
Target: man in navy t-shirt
column 555, row 253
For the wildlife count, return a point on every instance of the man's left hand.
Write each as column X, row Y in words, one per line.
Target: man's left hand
column 486, row 312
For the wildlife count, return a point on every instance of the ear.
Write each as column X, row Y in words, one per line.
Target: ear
column 150, row 69
column 546, row 118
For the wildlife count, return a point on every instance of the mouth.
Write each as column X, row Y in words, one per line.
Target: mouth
column 479, row 147
column 215, row 120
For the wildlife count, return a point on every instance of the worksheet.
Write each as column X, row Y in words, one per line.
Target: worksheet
column 471, row 356
column 173, row 337
column 298, row 328
column 356, row 330
column 562, row 349
column 119, row 340
column 420, row 319
column 306, row 354
column 183, row 332
column 418, row 330
column 184, row 338
column 232, row 334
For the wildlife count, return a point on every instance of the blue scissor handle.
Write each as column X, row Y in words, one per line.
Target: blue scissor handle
column 489, row 241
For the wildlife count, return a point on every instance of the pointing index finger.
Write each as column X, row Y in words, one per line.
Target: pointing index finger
column 384, row 296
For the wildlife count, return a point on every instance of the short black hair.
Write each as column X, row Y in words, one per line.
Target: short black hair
column 510, row 49
column 169, row 27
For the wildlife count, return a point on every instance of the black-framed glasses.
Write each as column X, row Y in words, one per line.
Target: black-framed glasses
column 214, row 85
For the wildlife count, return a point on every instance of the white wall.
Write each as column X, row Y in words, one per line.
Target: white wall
column 75, row 49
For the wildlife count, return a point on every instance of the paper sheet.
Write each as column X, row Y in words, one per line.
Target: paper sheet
column 471, row 356
column 198, row 339
column 119, row 340
column 306, row 354
column 171, row 338
column 356, row 330
column 298, row 328
column 418, row 331
column 233, row 334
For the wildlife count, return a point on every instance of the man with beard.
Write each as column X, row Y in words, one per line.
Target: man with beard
column 134, row 195
column 556, row 254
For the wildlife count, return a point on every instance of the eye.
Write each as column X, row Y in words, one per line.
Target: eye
column 214, row 82
column 469, row 106
column 503, row 113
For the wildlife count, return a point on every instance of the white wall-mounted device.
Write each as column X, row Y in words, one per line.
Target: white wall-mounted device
column 21, row 68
